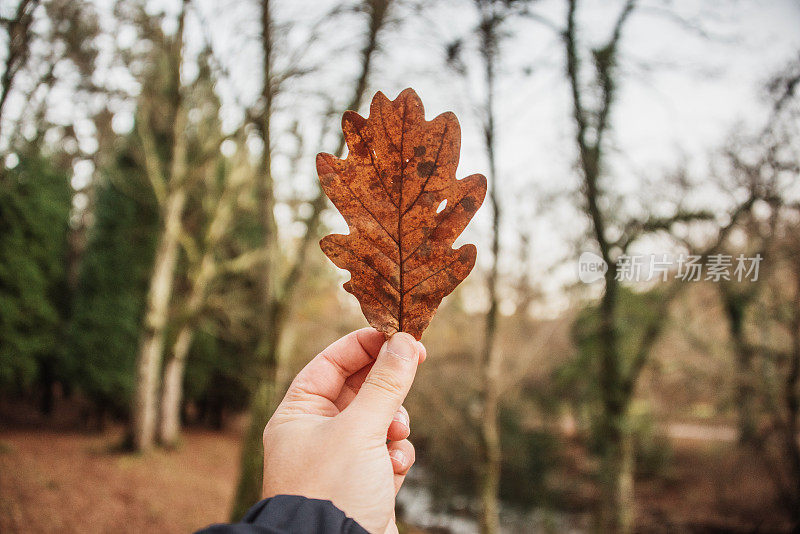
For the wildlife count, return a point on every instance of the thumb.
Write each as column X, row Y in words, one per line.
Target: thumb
column 387, row 384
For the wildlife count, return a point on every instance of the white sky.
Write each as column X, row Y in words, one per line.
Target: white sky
column 681, row 95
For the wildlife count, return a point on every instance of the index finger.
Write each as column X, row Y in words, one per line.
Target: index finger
column 325, row 375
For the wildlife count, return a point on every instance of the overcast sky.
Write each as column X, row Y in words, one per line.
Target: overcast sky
column 692, row 73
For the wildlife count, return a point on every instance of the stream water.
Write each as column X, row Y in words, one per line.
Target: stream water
column 418, row 508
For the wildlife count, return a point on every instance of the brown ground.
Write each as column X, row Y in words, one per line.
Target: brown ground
column 72, row 482
column 710, row 487
column 60, row 480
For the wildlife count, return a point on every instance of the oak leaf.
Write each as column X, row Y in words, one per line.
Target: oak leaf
column 399, row 171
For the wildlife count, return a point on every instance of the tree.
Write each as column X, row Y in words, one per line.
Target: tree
column 112, row 284
column 492, row 14
column 18, row 35
column 619, row 366
column 277, row 293
column 776, row 443
column 764, row 314
column 203, row 273
column 760, row 179
column 170, row 184
column 35, row 202
column 49, row 43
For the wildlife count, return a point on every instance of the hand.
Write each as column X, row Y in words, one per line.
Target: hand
column 328, row 437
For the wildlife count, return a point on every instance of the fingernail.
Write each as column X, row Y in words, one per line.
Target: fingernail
column 403, row 346
column 402, row 418
column 399, row 456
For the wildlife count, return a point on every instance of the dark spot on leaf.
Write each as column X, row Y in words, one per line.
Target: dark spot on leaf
column 360, row 149
column 419, row 151
column 425, row 168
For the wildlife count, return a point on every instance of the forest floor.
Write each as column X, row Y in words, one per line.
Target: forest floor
column 55, row 481
column 62, row 480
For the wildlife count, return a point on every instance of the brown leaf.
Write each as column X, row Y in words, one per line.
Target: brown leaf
column 398, row 171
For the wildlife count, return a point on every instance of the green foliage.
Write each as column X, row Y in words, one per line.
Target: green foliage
column 214, row 379
column 35, row 200
column 653, row 449
column 577, row 380
column 527, row 457
column 112, row 286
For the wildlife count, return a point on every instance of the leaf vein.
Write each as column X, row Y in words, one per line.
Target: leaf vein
column 368, row 264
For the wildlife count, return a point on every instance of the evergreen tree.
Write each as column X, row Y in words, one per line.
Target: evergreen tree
column 112, row 286
column 35, row 200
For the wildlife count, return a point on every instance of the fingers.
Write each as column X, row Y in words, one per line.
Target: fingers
column 400, row 427
column 325, row 375
column 353, row 384
column 403, row 456
column 387, row 383
column 423, row 352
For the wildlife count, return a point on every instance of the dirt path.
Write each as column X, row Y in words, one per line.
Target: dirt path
column 701, row 432
column 68, row 482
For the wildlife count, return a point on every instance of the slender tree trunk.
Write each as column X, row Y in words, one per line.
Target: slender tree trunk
column 617, row 511
column 617, row 471
column 491, row 454
column 792, row 403
column 151, row 345
column 249, row 488
column 277, row 307
column 47, row 380
column 735, row 310
column 172, row 388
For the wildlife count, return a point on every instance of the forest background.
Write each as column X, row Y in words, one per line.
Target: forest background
column 161, row 282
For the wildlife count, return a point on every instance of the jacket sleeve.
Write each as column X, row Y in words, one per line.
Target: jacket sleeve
column 290, row 514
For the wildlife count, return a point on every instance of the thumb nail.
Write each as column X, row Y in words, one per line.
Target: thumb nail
column 403, row 346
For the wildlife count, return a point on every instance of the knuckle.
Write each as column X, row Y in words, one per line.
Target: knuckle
column 384, row 382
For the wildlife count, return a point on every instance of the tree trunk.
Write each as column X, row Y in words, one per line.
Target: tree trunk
column 251, row 471
column 248, row 489
column 151, row 346
column 792, row 403
column 491, row 453
column 172, row 389
column 47, row 381
column 617, row 512
column 277, row 307
column 734, row 307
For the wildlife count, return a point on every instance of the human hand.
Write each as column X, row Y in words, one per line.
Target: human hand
column 328, row 437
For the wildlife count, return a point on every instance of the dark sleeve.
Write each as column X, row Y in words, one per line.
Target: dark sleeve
column 290, row 514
